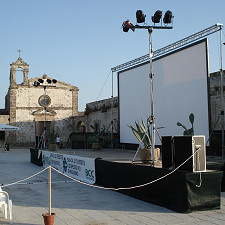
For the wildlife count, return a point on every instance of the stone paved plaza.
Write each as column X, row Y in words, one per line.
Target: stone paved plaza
column 77, row 204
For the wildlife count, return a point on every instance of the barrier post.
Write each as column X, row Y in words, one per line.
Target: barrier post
column 49, row 187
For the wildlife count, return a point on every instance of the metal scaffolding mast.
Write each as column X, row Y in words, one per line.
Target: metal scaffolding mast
column 162, row 51
column 197, row 36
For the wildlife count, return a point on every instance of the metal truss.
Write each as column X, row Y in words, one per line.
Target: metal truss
column 197, row 36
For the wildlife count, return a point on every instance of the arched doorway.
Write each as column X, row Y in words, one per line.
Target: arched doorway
column 81, row 127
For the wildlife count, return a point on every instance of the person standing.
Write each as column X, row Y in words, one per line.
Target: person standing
column 57, row 140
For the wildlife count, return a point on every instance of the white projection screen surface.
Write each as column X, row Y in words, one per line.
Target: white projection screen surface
column 180, row 87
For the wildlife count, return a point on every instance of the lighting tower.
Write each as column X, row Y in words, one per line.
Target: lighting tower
column 140, row 16
column 44, row 83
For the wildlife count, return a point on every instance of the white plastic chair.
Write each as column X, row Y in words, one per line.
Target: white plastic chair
column 5, row 204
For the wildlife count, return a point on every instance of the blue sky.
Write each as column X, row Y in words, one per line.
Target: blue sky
column 78, row 42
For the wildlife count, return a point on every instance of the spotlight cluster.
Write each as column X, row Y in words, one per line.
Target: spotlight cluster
column 140, row 16
column 41, row 81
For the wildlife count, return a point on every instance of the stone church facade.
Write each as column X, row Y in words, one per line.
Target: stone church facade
column 31, row 108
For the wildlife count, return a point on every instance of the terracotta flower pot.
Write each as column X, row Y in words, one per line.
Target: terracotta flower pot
column 96, row 146
column 53, row 146
column 48, row 219
column 146, row 155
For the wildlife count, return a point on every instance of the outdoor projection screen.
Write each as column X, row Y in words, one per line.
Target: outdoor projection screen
column 180, row 87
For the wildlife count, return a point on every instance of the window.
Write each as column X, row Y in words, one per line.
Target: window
column 44, row 100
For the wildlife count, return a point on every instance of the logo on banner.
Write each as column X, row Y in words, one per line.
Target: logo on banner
column 46, row 160
column 89, row 174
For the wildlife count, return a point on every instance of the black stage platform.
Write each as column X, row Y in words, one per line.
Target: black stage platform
column 177, row 192
column 219, row 166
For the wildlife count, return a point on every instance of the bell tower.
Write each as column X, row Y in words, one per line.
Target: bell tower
column 14, row 66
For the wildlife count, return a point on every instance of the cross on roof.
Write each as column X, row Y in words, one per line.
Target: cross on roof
column 19, row 52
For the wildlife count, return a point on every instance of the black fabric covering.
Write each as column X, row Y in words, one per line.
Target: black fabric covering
column 177, row 192
column 220, row 166
column 34, row 157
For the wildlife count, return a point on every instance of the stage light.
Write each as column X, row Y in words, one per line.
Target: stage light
column 54, row 81
column 41, row 81
column 49, row 81
column 127, row 25
column 36, row 83
column 168, row 17
column 140, row 16
column 157, row 16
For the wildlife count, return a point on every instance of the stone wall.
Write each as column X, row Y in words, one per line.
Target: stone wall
column 4, row 119
column 25, row 136
column 97, row 112
column 215, row 99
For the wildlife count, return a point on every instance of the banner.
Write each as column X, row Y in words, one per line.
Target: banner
column 80, row 168
column 52, row 159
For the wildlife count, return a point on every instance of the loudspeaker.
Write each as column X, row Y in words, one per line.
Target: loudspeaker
column 177, row 149
column 199, row 160
column 184, row 147
column 167, row 152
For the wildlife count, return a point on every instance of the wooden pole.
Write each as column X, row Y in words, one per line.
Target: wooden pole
column 49, row 186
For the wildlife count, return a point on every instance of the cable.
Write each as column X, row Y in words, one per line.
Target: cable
column 200, row 178
column 104, row 85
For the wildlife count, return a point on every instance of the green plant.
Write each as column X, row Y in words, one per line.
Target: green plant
column 191, row 130
column 52, row 136
column 100, row 135
column 142, row 133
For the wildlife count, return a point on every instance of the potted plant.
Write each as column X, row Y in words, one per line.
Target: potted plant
column 191, row 130
column 99, row 138
column 52, row 140
column 48, row 219
column 142, row 133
